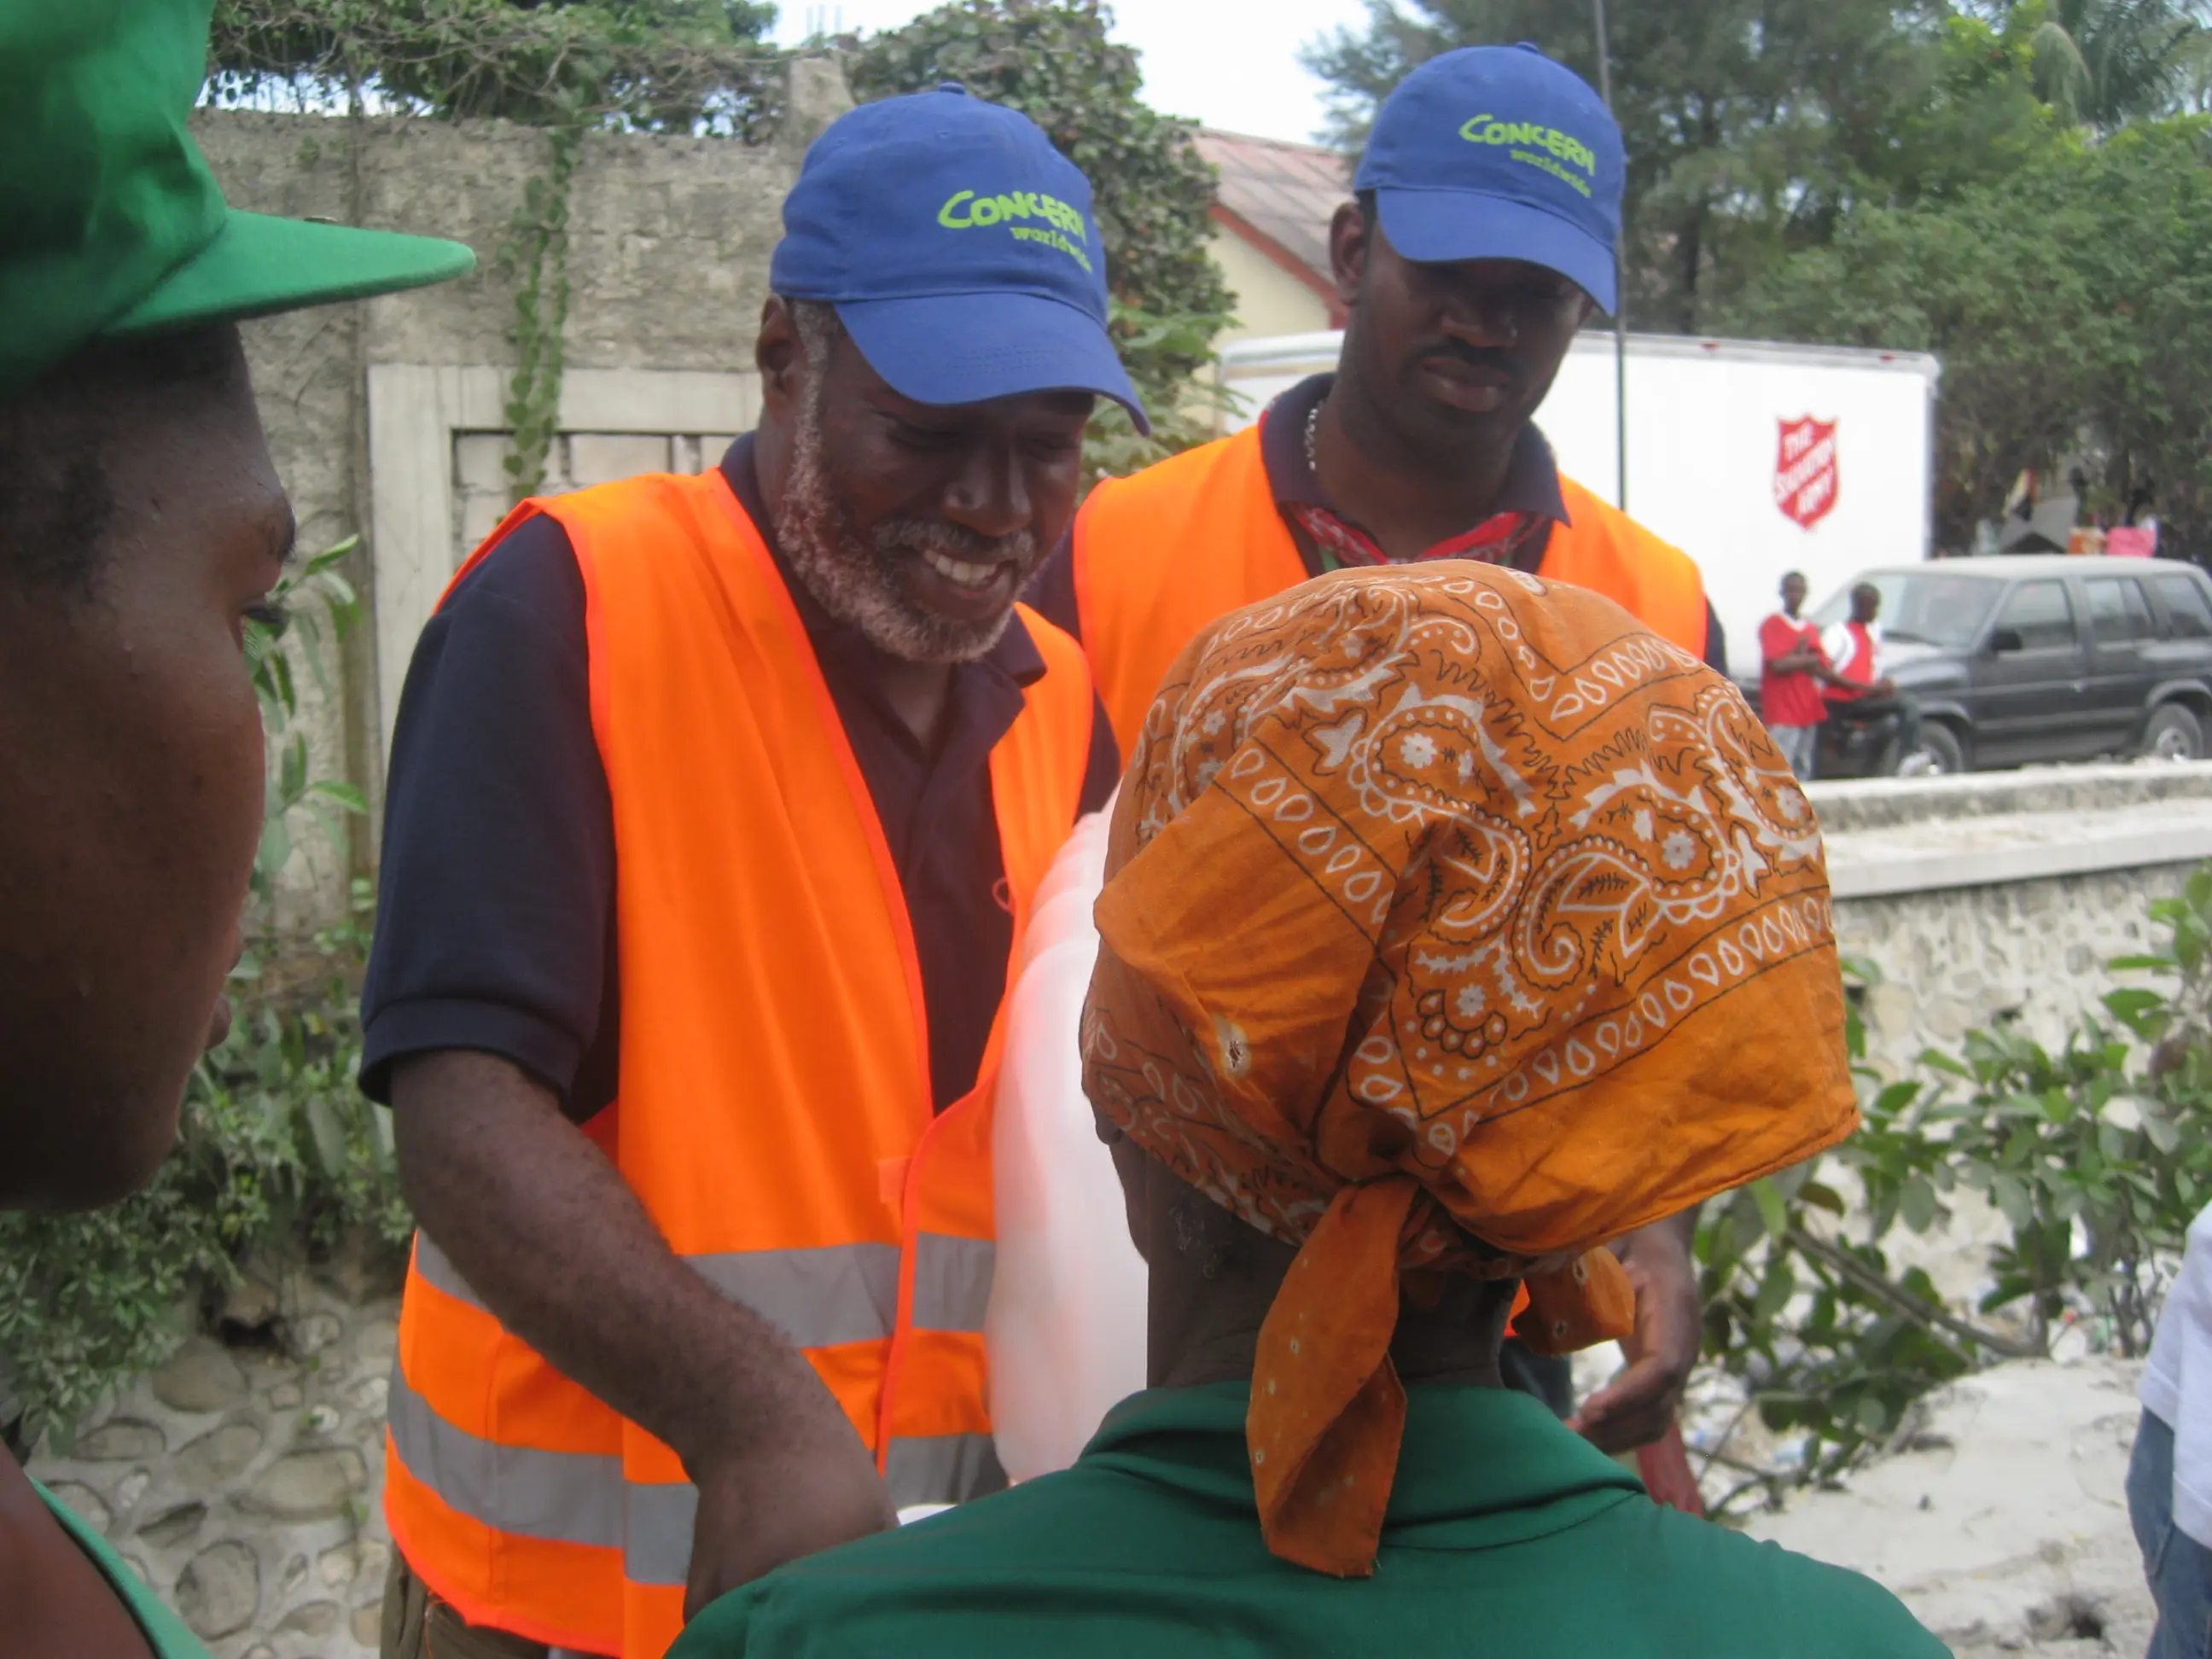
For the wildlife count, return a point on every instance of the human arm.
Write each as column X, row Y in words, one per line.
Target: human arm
column 54, row 1603
column 492, row 1020
column 1637, row 1406
column 509, row 1187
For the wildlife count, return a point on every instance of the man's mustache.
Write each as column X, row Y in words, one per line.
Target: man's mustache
column 1494, row 358
column 954, row 541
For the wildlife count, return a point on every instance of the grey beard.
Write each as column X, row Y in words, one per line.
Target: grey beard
column 858, row 578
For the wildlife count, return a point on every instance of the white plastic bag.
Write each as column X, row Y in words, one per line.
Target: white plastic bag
column 1066, row 1328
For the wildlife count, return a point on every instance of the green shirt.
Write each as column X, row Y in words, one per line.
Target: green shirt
column 1507, row 1534
column 164, row 1631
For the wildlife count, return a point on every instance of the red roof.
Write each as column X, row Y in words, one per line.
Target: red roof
column 1280, row 197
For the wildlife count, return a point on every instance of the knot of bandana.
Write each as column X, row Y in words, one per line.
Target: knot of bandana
column 1453, row 922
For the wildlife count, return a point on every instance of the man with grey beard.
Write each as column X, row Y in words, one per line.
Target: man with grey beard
column 715, row 806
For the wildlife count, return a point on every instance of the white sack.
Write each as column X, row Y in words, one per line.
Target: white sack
column 1066, row 1328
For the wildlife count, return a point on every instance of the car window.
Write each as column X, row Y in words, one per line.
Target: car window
column 1935, row 607
column 2119, row 613
column 2041, row 614
column 2187, row 615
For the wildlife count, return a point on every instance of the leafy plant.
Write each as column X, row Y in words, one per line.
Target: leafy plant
column 2096, row 1158
column 536, row 255
column 310, row 604
column 687, row 66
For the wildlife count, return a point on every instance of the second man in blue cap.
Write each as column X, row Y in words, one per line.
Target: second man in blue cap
column 1482, row 239
column 715, row 809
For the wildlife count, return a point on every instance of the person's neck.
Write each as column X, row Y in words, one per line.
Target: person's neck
column 1408, row 500
column 1211, row 1334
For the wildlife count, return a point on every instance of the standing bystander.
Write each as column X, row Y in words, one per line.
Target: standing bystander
column 1792, row 668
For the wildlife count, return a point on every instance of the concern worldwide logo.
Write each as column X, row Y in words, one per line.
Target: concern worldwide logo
column 1532, row 143
column 1062, row 226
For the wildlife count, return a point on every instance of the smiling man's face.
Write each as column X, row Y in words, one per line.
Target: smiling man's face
column 1456, row 354
column 919, row 524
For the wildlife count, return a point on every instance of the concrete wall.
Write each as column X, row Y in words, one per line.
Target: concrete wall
column 1997, row 893
column 1267, row 300
column 669, row 241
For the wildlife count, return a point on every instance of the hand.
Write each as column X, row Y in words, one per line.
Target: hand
column 1637, row 1406
column 1883, row 689
column 757, row 1511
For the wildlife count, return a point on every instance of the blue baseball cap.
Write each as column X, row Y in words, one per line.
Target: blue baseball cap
column 1499, row 153
column 958, row 247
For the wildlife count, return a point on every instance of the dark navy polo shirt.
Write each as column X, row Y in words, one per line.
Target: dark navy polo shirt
column 495, row 927
column 1531, row 485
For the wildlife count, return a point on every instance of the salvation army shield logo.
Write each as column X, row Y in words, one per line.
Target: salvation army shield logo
column 1805, row 469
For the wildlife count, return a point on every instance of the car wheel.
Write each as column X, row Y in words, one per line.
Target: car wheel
column 2172, row 732
column 1941, row 751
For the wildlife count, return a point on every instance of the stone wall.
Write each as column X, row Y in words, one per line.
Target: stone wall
column 241, row 1481
column 1994, row 894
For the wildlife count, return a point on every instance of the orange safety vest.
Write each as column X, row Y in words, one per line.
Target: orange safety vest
column 1160, row 555
column 774, row 1113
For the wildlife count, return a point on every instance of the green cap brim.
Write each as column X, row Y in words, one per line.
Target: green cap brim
column 257, row 264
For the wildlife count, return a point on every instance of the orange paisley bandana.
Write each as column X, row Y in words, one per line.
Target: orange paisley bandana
column 1452, row 921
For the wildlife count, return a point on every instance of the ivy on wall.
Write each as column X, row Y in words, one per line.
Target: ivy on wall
column 536, row 256
column 682, row 66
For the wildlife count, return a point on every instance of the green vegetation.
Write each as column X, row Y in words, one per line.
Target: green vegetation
column 2017, row 185
column 2095, row 1158
column 640, row 65
column 2062, row 299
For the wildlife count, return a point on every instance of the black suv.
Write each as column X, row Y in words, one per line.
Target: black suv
column 2047, row 657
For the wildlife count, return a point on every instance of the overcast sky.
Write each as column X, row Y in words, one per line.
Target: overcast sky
column 1230, row 64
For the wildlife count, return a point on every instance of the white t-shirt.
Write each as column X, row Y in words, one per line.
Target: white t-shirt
column 1842, row 645
column 2177, row 1384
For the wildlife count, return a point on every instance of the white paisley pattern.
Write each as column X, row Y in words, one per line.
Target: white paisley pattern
column 1555, row 853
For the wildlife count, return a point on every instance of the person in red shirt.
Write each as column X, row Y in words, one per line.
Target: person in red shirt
column 1857, row 690
column 1792, row 669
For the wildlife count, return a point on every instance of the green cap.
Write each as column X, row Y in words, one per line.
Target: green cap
column 111, row 227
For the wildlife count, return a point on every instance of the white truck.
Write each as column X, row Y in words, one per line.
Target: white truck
column 1755, row 458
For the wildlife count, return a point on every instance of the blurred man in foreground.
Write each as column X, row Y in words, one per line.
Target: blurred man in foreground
column 1421, row 973
column 141, row 525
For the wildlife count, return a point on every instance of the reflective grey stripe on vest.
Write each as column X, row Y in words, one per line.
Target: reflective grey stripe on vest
column 658, row 1549
column 575, row 1498
column 951, row 1282
column 438, row 1270
column 941, row 1468
column 817, row 1298
column 569, row 1497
